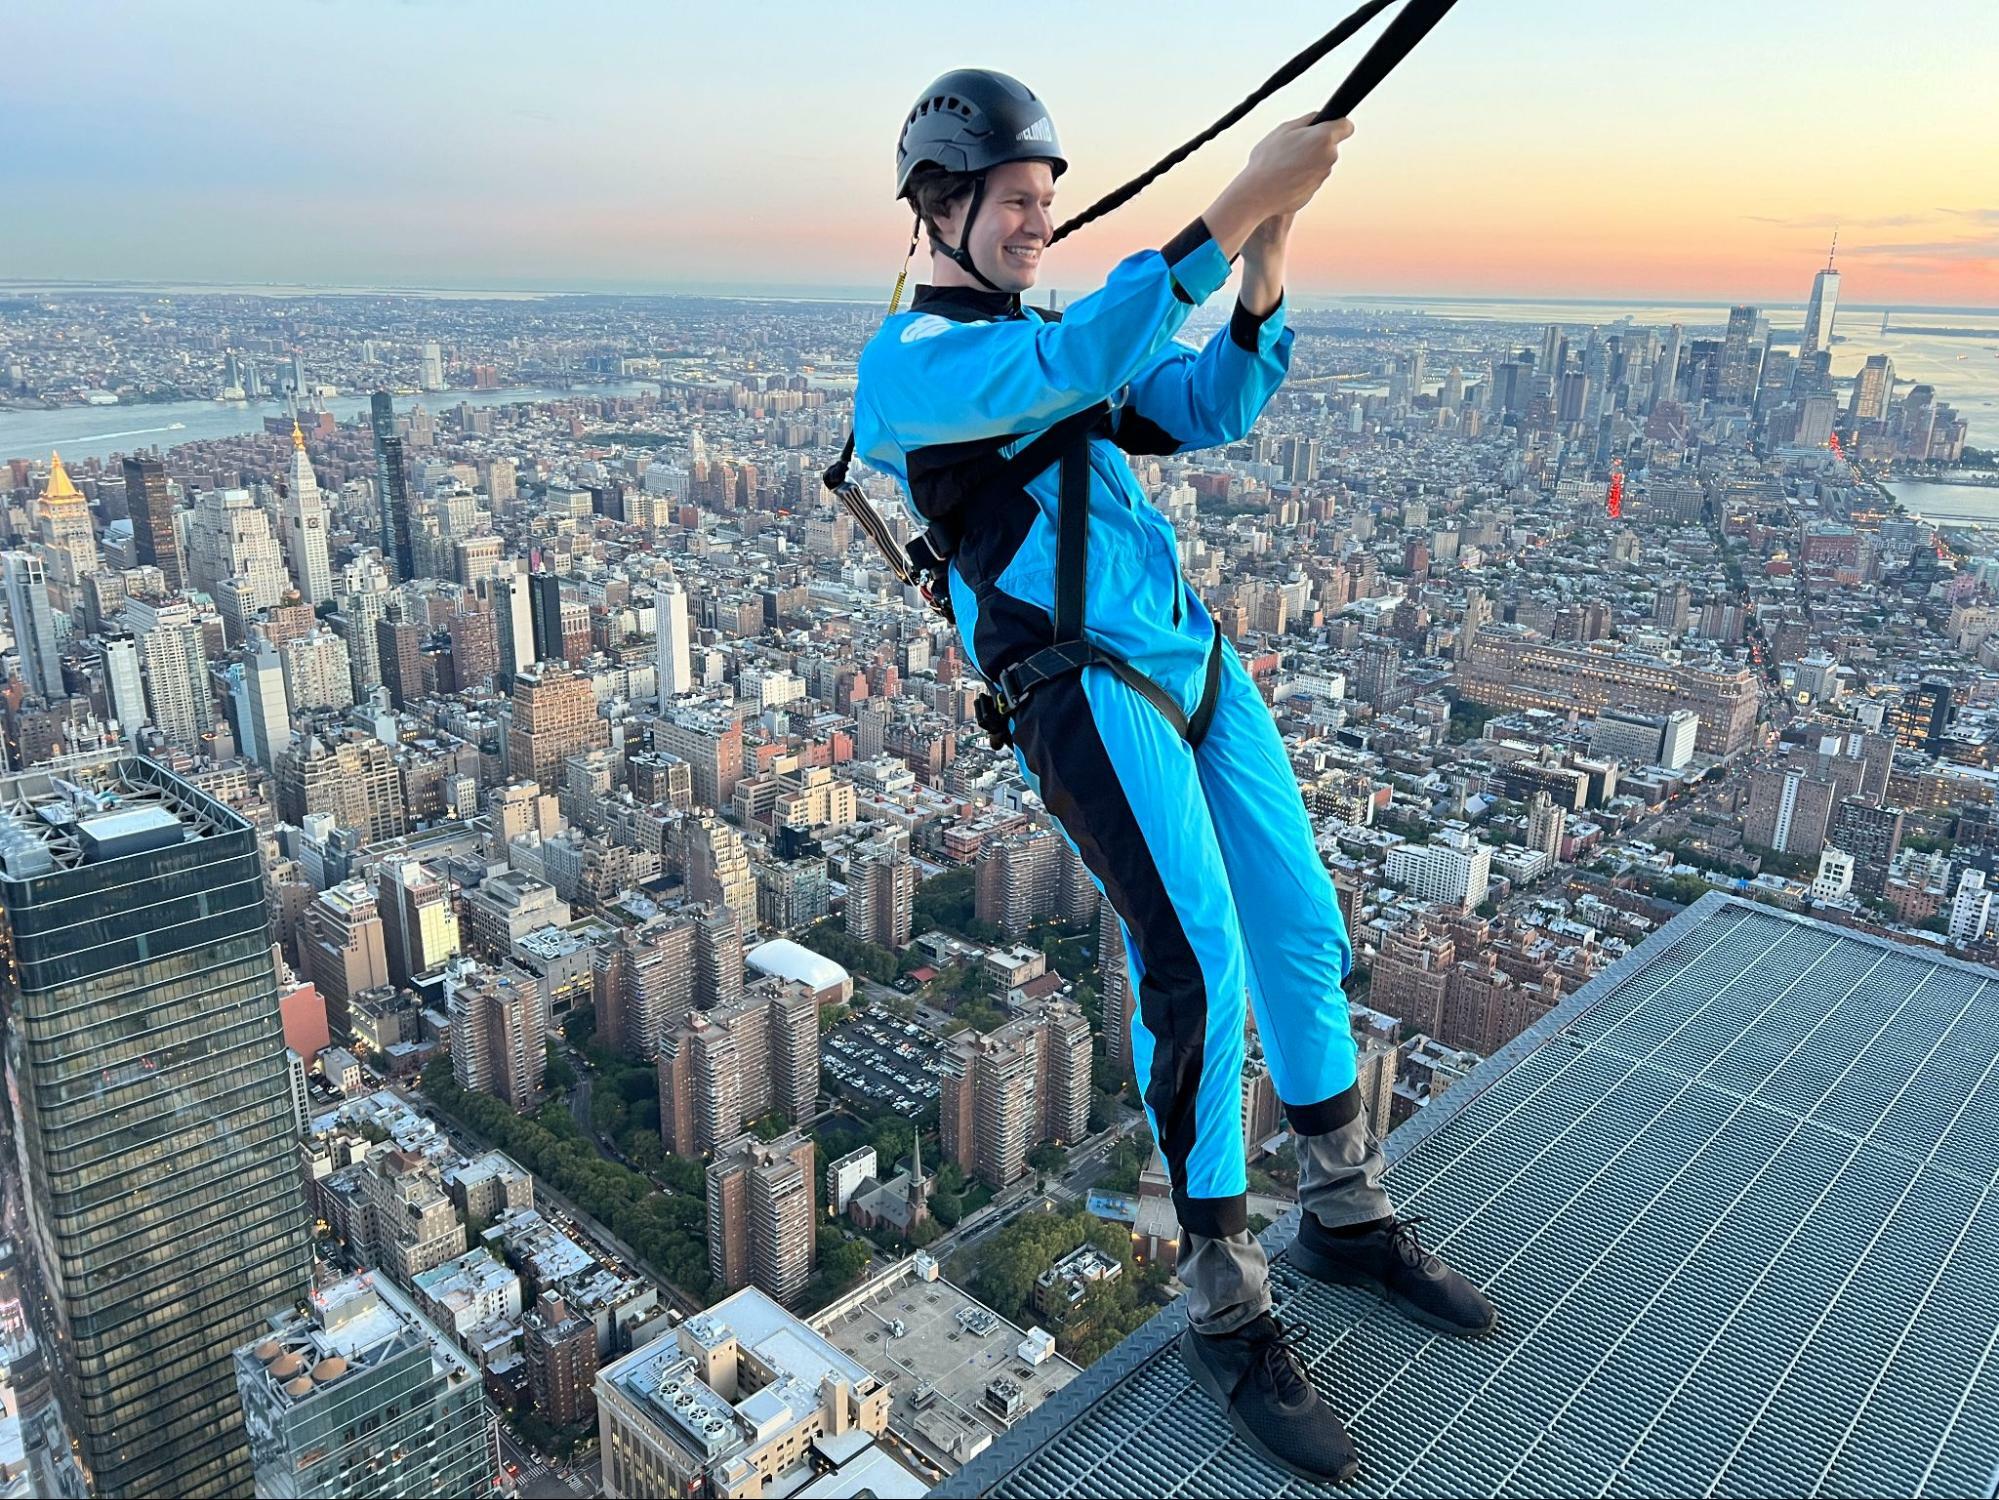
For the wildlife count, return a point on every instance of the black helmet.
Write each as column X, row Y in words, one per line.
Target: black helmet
column 972, row 120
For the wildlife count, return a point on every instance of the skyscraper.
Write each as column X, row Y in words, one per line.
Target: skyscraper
column 360, row 1395
column 1742, row 355
column 881, row 894
column 234, row 557
column 499, row 1035
column 263, row 713
column 761, row 1222
column 545, row 595
column 176, row 669
column 146, row 1059
column 62, row 521
column 302, row 518
column 151, row 507
column 124, row 684
column 33, row 622
column 1873, row 389
column 433, row 368
column 1817, row 332
column 555, row 716
column 392, row 488
column 676, row 671
column 419, row 928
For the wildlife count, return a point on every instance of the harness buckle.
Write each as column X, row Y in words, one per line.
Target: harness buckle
column 993, row 711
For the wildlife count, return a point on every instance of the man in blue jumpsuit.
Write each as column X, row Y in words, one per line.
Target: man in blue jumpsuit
column 1166, row 773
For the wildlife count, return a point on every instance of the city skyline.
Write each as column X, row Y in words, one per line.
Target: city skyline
column 394, row 146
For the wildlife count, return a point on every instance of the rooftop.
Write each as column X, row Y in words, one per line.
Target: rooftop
column 353, row 1325
column 88, row 808
column 1736, row 1202
column 950, row 1348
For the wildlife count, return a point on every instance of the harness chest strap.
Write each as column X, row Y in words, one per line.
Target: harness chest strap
column 1068, row 443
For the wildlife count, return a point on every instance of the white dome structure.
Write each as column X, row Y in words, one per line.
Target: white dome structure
column 784, row 959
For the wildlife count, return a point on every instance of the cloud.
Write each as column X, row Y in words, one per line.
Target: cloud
column 1971, row 250
column 1820, row 221
column 1976, row 215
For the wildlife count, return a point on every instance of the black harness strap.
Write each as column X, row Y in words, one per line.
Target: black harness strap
column 1068, row 442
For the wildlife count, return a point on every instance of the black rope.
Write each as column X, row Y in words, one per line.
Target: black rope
column 1394, row 43
column 1408, row 28
column 1271, row 85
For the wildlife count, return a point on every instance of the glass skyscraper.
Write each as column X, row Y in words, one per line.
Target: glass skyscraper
column 359, row 1395
column 147, row 1087
column 392, row 483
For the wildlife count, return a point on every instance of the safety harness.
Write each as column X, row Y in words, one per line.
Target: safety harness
column 925, row 562
column 984, row 473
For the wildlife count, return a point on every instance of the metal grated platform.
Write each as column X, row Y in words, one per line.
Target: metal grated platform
column 1736, row 1202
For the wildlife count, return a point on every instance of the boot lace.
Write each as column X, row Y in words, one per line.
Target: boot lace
column 1402, row 1235
column 1281, row 1357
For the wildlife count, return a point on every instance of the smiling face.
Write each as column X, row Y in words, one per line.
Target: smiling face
column 1013, row 226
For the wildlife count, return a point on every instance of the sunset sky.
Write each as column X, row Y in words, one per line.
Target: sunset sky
column 1698, row 149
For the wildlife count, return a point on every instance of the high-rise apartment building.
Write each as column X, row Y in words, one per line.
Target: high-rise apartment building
column 723, row 1069
column 342, row 951
column 881, row 895
column 1452, row 869
column 234, row 557
column 175, row 661
column 392, row 488
column 1004, row 1093
column 263, row 714
column 150, row 504
column 1114, row 986
column 761, row 1218
column 398, row 658
column 506, row 594
column 410, row 1221
column 154, row 1123
column 354, row 781
column 355, row 1394
column 124, row 681
column 499, row 1035
column 717, row 866
column 642, row 981
column 1017, row 880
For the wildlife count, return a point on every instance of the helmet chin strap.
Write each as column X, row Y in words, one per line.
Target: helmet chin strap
column 962, row 254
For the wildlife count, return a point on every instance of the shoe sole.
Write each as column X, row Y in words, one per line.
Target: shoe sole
column 1319, row 1268
column 1205, row 1379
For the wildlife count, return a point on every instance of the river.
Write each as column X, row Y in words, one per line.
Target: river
column 100, row 431
column 1967, row 504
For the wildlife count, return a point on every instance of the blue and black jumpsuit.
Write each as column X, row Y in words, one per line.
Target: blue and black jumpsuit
column 1205, row 851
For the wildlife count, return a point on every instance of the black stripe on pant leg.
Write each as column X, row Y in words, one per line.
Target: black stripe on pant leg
column 1059, row 739
column 1327, row 1114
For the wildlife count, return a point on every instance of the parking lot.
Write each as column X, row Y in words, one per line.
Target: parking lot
column 896, row 1063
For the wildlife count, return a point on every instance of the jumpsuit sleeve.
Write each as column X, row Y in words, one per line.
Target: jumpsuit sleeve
column 1211, row 397
column 936, row 381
